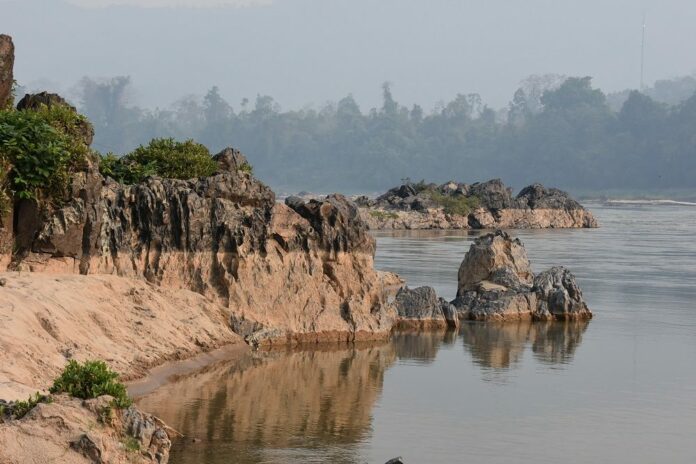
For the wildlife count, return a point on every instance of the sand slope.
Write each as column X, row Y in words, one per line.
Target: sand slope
column 132, row 325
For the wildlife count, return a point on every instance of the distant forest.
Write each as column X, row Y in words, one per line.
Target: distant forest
column 559, row 131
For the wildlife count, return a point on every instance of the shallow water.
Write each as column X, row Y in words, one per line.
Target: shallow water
column 621, row 388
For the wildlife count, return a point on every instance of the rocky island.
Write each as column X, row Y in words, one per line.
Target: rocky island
column 483, row 205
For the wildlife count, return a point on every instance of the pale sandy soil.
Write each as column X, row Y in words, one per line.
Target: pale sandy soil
column 47, row 319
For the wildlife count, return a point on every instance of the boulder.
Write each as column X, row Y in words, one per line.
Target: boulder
column 6, row 70
column 496, row 283
column 421, row 308
column 559, row 296
column 495, row 258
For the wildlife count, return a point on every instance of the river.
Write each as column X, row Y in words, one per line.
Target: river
column 621, row 388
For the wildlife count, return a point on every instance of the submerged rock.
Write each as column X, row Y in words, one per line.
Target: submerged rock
column 496, row 283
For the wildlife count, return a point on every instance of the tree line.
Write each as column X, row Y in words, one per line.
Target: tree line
column 559, row 131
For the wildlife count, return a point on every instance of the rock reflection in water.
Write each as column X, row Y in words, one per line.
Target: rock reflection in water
column 421, row 346
column 276, row 406
column 501, row 346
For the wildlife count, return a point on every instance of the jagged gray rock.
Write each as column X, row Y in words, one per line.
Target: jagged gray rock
column 496, row 283
column 559, row 296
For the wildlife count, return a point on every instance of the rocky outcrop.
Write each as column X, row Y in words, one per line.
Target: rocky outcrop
column 484, row 205
column 70, row 430
column 558, row 295
column 6, row 70
column 287, row 273
column 421, row 308
column 496, row 283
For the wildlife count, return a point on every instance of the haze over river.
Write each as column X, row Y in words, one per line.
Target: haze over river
column 621, row 388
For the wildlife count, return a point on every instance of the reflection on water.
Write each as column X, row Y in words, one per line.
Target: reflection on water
column 621, row 388
column 277, row 406
column 316, row 405
column 500, row 346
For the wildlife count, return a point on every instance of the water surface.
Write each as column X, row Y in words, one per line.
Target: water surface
column 621, row 388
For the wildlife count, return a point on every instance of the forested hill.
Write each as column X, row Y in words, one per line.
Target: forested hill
column 562, row 133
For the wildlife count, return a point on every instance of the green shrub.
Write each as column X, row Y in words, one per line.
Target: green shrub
column 246, row 167
column 90, row 380
column 42, row 148
column 162, row 157
column 459, row 205
column 21, row 408
column 378, row 214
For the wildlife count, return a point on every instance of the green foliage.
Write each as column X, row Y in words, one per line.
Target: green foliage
column 163, row 157
column 246, row 167
column 132, row 444
column 382, row 215
column 90, row 380
column 455, row 204
column 43, row 148
column 21, row 408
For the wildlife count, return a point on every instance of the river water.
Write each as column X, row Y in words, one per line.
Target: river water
column 620, row 389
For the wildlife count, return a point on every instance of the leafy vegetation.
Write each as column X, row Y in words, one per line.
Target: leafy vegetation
column 90, row 380
column 382, row 215
column 163, row 157
column 39, row 151
column 455, row 204
column 132, row 444
column 20, row 409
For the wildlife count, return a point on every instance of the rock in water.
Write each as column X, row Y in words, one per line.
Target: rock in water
column 6, row 70
column 558, row 295
column 495, row 258
column 421, row 308
column 496, row 283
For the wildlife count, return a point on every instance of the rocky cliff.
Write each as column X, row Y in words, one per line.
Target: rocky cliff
column 301, row 271
column 484, row 205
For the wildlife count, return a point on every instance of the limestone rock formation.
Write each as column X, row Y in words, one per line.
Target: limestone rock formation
column 559, row 296
column 6, row 69
column 421, row 308
column 287, row 273
column 496, row 283
column 483, row 205
column 70, row 430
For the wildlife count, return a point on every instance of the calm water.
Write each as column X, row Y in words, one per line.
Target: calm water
column 619, row 389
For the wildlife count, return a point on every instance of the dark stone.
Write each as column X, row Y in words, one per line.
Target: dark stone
column 536, row 196
column 230, row 159
column 492, row 194
column 559, row 295
column 419, row 303
column 398, row 460
column 337, row 221
column 87, row 447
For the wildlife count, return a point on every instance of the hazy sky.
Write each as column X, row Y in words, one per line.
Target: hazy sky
column 313, row 51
